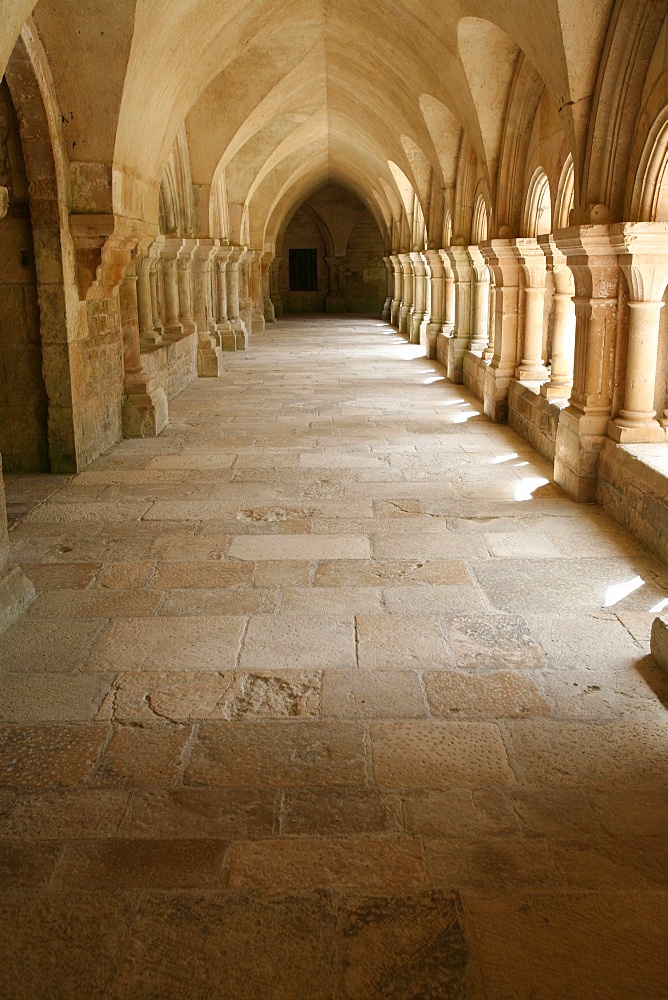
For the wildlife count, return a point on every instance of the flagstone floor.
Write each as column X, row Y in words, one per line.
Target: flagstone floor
column 330, row 692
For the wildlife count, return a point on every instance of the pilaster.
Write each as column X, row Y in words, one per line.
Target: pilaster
column 563, row 322
column 502, row 259
column 533, row 267
column 209, row 352
column 421, row 311
column 460, row 337
column 407, row 293
column 436, row 279
column 389, row 276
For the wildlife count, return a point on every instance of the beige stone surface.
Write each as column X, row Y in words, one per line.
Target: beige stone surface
column 77, row 813
column 372, row 694
column 439, row 754
column 495, row 695
column 274, row 754
column 289, row 641
column 210, row 813
column 304, row 547
column 168, row 644
column 156, row 864
column 356, row 862
column 51, row 697
column 47, row 645
column 142, row 757
column 405, row 642
column 43, row 756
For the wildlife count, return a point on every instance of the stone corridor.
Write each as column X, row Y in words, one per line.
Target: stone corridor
column 330, row 692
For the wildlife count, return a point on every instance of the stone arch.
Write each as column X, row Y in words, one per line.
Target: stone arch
column 537, row 219
column 480, row 220
column 565, row 200
column 47, row 170
column 629, row 46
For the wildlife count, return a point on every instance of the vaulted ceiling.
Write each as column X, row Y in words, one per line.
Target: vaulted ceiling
column 284, row 95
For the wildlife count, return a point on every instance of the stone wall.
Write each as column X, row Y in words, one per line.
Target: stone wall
column 632, row 489
column 474, row 369
column 303, row 234
column 172, row 366
column 366, row 281
column 23, row 401
column 534, row 417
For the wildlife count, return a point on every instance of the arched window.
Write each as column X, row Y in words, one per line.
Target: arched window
column 538, row 211
column 447, row 230
column 653, row 175
column 565, row 195
column 479, row 225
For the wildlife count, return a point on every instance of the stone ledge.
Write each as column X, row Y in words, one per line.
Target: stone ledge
column 633, row 488
column 659, row 641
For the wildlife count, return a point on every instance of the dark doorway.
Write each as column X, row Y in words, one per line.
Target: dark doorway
column 303, row 270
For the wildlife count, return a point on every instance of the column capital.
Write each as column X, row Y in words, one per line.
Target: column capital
column 435, row 262
column 532, row 262
column 419, row 262
column 478, row 264
column 642, row 249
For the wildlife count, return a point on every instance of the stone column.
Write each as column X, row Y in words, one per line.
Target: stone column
column 421, row 316
column 488, row 353
column 643, row 258
column 223, row 325
column 256, row 290
column 532, row 262
column 144, row 406
column 168, row 253
column 275, row 283
column 460, row 338
column 389, row 275
column 148, row 334
column 480, row 309
column 233, row 308
column 449, row 298
column 398, row 276
column 245, row 304
column 407, row 292
column 16, row 590
column 268, row 305
column 209, row 353
column 436, row 279
column 501, row 258
column 563, row 322
column 158, row 328
column 184, row 275
column 583, row 425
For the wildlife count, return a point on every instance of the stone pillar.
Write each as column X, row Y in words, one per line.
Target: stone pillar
column 184, row 276
column 398, row 276
column 420, row 317
column 209, row 352
column 583, row 425
column 223, row 325
column 480, row 308
column 168, row 253
column 501, row 258
column 488, row 353
column 436, row 279
column 407, row 291
column 449, row 298
column 158, row 328
column 643, row 258
column 389, row 276
column 268, row 305
column 144, row 406
column 256, row 290
column 148, row 333
column 460, row 338
column 245, row 304
column 563, row 322
column 233, row 307
column 16, row 590
column 532, row 262
column 275, row 285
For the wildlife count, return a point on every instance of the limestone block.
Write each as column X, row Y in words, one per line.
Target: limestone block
column 659, row 641
column 16, row 592
column 209, row 357
column 145, row 414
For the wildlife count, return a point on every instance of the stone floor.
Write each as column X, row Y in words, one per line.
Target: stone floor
column 329, row 692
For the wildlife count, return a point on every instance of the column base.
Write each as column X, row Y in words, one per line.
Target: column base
column 555, row 391
column 658, row 644
column 145, row 414
column 394, row 313
column 455, row 364
column 431, row 340
column 174, row 332
column 240, row 335
column 495, row 395
column 209, row 357
column 405, row 314
column 16, row 593
column 385, row 314
column 257, row 325
column 580, row 440
column 269, row 311
column 647, row 433
column 531, row 373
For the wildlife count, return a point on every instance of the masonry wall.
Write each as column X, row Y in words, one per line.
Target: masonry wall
column 303, row 234
column 632, row 488
column 23, row 400
column 366, row 281
column 173, row 366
